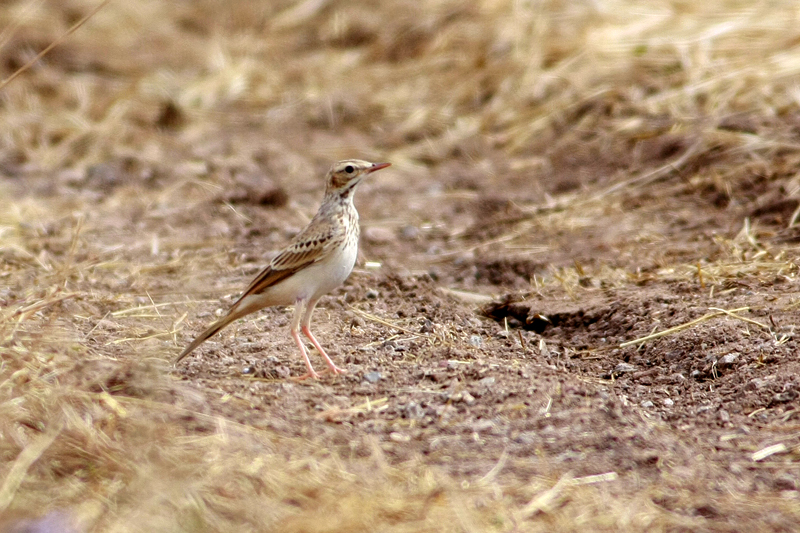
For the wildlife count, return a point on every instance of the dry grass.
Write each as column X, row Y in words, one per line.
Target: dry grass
column 96, row 435
column 123, row 447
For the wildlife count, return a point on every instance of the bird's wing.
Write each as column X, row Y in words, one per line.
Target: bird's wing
column 308, row 247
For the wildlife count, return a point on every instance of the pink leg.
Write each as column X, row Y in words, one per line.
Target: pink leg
column 335, row 369
column 299, row 310
column 311, row 372
column 307, row 332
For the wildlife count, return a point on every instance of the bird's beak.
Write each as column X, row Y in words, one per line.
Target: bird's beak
column 377, row 166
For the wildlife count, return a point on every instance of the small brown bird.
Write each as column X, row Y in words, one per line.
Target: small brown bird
column 315, row 262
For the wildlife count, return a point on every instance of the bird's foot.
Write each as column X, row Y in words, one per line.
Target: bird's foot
column 333, row 369
column 309, row 374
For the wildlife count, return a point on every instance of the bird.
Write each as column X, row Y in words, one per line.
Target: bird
column 316, row 261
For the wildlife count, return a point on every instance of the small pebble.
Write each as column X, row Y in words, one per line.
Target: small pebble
column 409, row 233
column 475, row 340
column 389, row 346
column 668, row 402
column 434, row 250
column 373, row 377
column 486, row 382
column 647, row 404
column 623, row 368
column 785, row 482
column 482, row 425
column 727, row 360
column 399, row 437
column 527, row 438
column 372, row 294
column 414, row 411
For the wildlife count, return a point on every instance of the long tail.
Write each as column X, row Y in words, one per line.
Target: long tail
column 212, row 330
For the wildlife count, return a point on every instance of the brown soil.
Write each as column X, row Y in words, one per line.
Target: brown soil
column 496, row 331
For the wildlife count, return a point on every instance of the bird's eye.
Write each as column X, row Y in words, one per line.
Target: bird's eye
column 349, row 169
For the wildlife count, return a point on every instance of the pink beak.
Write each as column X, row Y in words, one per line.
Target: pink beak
column 377, row 166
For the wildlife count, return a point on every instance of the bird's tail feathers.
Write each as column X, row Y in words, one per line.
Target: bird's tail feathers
column 212, row 330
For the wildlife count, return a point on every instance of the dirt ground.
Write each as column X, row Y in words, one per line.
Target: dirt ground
column 575, row 303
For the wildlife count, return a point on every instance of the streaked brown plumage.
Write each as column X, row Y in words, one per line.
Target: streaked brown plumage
column 315, row 262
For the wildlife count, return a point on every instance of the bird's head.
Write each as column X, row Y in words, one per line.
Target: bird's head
column 345, row 175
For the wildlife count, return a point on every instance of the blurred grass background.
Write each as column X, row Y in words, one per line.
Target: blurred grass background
column 569, row 98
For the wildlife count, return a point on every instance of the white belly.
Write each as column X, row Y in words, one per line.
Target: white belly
column 314, row 281
column 329, row 273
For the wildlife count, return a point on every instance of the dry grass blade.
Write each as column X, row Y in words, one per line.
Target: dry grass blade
column 22, row 463
column 471, row 298
column 764, row 453
column 340, row 413
column 155, row 307
column 597, row 478
column 379, row 320
column 25, row 312
column 546, row 500
column 53, row 44
column 653, row 175
column 684, row 326
column 492, row 474
column 732, row 313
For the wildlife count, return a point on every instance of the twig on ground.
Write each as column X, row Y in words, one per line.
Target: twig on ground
column 687, row 325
